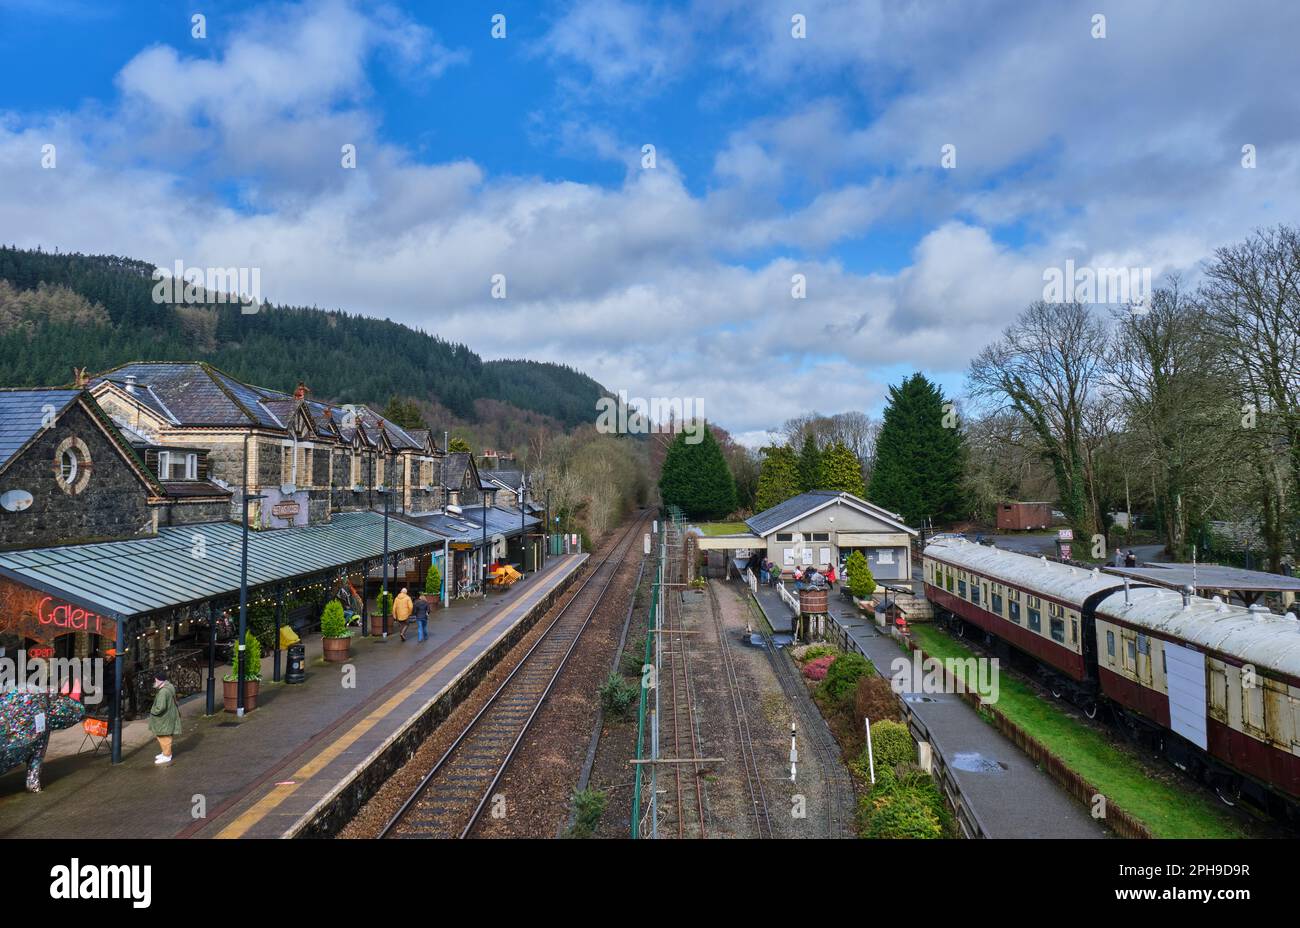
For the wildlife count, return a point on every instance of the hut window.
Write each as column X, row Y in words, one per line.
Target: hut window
column 785, row 536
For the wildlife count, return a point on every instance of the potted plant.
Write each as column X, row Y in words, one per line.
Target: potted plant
column 252, row 657
column 383, row 606
column 335, row 637
column 433, row 586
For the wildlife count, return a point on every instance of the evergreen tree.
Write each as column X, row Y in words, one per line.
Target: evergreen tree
column 696, row 478
column 810, row 464
column 458, row 444
column 778, row 478
column 841, row 470
column 919, row 461
column 404, row 414
column 861, row 583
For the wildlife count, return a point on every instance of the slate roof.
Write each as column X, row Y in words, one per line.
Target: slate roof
column 189, row 489
column 797, row 506
column 21, row 414
column 195, row 393
column 511, row 479
column 502, row 520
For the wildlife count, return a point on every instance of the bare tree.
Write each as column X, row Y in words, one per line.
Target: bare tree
column 1253, row 310
column 1046, row 367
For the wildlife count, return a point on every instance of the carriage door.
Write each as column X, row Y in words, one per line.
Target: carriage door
column 1185, row 677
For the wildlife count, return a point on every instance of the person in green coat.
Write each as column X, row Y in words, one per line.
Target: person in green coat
column 164, row 717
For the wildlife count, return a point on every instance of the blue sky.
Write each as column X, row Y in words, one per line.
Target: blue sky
column 776, row 155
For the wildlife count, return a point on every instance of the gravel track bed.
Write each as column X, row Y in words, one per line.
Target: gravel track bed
column 371, row 819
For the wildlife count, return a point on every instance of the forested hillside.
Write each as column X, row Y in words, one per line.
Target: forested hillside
column 58, row 311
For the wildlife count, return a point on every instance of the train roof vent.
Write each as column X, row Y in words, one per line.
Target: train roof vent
column 1219, row 604
column 1292, row 616
column 1259, row 611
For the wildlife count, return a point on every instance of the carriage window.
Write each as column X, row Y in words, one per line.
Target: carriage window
column 1130, row 659
column 997, row 603
column 1035, row 620
column 975, row 592
column 1110, row 645
column 1144, row 644
column 948, row 580
column 1074, row 631
column 1058, row 629
column 961, row 588
column 1013, row 612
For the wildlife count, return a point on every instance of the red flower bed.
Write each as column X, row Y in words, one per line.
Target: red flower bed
column 816, row 669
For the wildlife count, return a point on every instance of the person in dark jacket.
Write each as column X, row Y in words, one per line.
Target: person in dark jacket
column 164, row 717
column 421, row 615
column 1130, row 559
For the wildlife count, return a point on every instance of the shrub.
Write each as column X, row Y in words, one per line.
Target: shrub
column 861, row 583
column 433, row 581
column 332, row 622
column 589, row 805
column 816, row 669
column 814, row 651
column 617, row 696
column 253, row 656
column 631, row 664
column 899, row 812
column 891, row 744
column 841, row 681
column 384, row 603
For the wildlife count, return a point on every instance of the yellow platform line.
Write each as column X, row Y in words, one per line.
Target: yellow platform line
column 272, row 800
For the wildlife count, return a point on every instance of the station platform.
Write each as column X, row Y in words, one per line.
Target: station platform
column 1009, row 794
column 268, row 774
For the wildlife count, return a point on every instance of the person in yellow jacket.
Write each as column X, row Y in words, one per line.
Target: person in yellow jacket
column 402, row 609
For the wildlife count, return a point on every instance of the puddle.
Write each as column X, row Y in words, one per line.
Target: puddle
column 913, row 697
column 976, row 762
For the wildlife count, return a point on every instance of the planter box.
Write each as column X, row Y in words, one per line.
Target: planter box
column 337, row 650
column 230, row 694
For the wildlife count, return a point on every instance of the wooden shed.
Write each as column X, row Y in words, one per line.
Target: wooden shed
column 1020, row 517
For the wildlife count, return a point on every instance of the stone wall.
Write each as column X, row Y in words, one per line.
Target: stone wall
column 113, row 503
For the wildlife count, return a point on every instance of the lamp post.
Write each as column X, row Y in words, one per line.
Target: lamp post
column 483, row 549
column 243, row 604
column 546, row 527
column 383, row 596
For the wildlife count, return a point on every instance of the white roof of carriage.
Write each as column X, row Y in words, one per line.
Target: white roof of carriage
column 1270, row 642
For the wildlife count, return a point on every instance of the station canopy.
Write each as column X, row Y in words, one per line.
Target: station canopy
column 188, row 564
column 1248, row 584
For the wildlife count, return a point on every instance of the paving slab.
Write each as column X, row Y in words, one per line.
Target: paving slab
column 264, row 774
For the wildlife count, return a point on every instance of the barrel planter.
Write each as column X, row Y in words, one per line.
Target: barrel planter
column 230, row 694
column 377, row 624
column 812, row 602
column 336, row 650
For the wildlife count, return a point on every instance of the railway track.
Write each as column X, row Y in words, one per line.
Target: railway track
column 753, row 775
column 681, row 713
column 815, row 734
column 452, row 797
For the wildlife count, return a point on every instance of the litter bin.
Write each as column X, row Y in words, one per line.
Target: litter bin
column 297, row 670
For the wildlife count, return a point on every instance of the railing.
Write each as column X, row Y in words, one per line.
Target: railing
column 751, row 580
column 788, row 598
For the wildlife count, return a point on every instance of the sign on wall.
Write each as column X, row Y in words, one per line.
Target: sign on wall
column 32, row 614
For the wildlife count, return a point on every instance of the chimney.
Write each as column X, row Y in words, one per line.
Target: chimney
column 301, row 392
column 130, row 383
